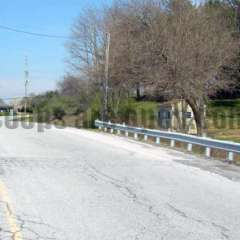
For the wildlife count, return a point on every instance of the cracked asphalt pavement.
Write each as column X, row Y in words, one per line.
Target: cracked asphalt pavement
column 74, row 184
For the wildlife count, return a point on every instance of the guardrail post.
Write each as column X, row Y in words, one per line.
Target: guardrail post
column 230, row 156
column 105, row 129
column 126, row 133
column 189, row 147
column 208, row 152
column 118, row 132
column 172, row 143
column 100, row 128
column 112, row 130
column 157, row 140
column 136, row 136
column 145, row 137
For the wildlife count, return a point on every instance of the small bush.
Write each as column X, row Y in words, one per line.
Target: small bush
column 58, row 112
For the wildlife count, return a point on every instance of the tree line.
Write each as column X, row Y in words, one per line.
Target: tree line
column 152, row 49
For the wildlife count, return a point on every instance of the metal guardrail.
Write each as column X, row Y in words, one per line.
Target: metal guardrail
column 230, row 147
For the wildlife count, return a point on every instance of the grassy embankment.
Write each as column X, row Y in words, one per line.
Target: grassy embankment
column 224, row 120
column 223, row 117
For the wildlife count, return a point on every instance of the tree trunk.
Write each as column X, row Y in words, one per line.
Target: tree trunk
column 138, row 92
column 199, row 116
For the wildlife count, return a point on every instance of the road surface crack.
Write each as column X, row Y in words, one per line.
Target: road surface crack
column 223, row 230
column 128, row 192
column 26, row 227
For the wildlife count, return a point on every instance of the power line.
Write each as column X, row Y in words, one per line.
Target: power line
column 32, row 33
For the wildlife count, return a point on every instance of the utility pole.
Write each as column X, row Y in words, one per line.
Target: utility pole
column 26, row 72
column 105, row 115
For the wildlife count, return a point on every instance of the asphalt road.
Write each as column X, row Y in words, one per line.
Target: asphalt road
column 80, row 185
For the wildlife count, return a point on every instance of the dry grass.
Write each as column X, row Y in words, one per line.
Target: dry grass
column 224, row 120
column 225, row 134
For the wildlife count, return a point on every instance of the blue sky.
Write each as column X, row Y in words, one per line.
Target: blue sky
column 46, row 56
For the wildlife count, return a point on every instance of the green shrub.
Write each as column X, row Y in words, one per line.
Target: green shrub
column 58, row 112
column 93, row 113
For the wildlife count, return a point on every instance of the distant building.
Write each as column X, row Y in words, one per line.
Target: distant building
column 17, row 104
column 4, row 108
column 177, row 116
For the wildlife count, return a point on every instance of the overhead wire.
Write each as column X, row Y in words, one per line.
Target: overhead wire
column 45, row 35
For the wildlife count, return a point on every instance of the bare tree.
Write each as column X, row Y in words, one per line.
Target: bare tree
column 195, row 42
column 169, row 46
column 86, row 46
column 71, row 86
